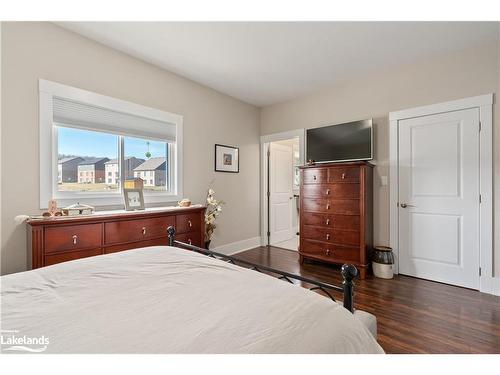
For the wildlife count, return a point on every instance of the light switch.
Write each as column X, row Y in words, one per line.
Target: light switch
column 383, row 180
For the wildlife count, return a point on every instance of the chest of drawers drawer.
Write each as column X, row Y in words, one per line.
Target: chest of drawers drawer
column 72, row 237
column 334, row 206
column 346, row 222
column 343, row 174
column 188, row 223
column 330, row 251
column 136, row 230
column 347, row 190
column 342, row 237
column 314, row 175
column 193, row 238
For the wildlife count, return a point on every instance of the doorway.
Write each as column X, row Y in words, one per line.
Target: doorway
column 282, row 155
column 437, row 168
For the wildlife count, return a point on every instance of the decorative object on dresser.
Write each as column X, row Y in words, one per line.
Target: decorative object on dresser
column 57, row 240
column 336, row 213
column 134, row 199
column 78, row 209
column 186, row 202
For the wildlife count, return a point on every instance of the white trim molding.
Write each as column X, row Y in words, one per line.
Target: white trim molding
column 487, row 283
column 48, row 141
column 238, row 246
column 265, row 140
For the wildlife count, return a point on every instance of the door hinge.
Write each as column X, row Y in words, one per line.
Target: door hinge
column 480, row 198
column 268, row 194
column 268, row 153
column 268, row 234
column 479, row 271
column 480, row 126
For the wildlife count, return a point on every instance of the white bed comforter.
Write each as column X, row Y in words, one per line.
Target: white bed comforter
column 168, row 300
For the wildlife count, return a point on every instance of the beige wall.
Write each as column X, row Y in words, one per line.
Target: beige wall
column 462, row 74
column 42, row 50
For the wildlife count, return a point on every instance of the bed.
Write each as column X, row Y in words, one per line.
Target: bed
column 165, row 299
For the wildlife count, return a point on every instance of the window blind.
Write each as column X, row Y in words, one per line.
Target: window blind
column 81, row 115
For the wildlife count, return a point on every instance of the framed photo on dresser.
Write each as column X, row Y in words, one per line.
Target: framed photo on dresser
column 227, row 159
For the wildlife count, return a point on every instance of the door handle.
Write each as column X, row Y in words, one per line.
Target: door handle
column 404, row 205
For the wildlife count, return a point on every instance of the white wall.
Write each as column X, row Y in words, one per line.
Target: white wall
column 461, row 74
column 43, row 50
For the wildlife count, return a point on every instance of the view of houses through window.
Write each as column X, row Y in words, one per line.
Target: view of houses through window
column 90, row 161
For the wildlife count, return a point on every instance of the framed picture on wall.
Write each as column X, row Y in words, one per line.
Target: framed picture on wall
column 227, row 159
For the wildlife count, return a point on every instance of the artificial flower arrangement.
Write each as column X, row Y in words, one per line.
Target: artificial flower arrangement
column 214, row 209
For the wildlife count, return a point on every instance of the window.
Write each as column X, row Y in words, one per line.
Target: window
column 107, row 140
column 148, row 155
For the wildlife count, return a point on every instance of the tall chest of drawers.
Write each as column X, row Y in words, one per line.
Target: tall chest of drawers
column 336, row 213
column 57, row 240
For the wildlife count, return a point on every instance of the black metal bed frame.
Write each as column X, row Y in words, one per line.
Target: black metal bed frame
column 348, row 271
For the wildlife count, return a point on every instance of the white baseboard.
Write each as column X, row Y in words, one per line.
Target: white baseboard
column 238, row 246
column 490, row 285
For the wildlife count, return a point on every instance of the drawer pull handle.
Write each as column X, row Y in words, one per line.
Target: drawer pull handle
column 190, row 224
column 327, row 191
column 189, row 241
column 328, row 206
column 343, row 176
column 314, row 177
column 328, row 236
column 143, row 231
column 75, row 239
column 327, row 221
column 327, row 251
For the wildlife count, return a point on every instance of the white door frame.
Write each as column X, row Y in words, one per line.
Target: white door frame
column 265, row 140
column 487, row 283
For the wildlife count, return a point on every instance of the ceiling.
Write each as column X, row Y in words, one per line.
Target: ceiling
column 263, row 63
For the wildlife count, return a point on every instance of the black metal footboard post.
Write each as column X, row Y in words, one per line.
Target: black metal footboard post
column 171, row 235
column 349, row 272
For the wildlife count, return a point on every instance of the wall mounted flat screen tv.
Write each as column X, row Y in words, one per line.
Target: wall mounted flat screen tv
column 343, row 142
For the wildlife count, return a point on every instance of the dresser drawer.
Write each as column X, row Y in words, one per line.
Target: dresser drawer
column 329, row 251
column 343, row 174
column 332, row 190
column 348, row 222
column 72, row 237
column 314, row 175
column 135, row 245
column 136, row 230
column 190, row 238
column 334, row 206
column 188, row 223
column 70, row 255
column 341, row 237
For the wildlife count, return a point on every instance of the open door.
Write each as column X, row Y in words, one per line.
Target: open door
column 280, row 193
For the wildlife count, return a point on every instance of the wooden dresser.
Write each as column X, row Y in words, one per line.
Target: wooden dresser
column 57, row 240
column 336, row 213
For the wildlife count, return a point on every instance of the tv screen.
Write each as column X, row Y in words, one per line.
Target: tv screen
column 343, row 142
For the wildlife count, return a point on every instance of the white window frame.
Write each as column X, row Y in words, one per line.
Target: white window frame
column 49, row 143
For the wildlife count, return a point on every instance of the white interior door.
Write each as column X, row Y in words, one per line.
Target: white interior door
column 281, row 192
column 439, row 197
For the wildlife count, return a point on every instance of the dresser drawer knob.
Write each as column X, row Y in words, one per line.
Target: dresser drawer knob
column 143, row 231
column 327, row 221
column 328, row 206
column 314, row 177
column 343, row 176
column 190, row 224
column 75, row 239
column 327, row 251
column 328, row 236
column 189, row 241
column 327, row 191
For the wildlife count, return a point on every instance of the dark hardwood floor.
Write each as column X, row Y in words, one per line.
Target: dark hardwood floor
column 414, row 315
